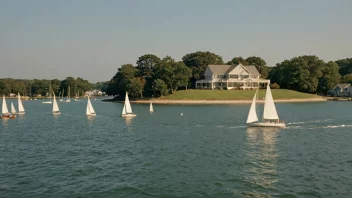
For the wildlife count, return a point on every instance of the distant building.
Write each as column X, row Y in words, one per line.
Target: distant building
column 341, row 90
column 12, row 95
column 231, row 77
column 95, row 92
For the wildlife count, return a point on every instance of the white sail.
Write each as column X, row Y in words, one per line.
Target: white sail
column 269, row 106
column 13, row 110
column 151, row 107
column 127, row 104
column 4, row 106
column 20, row 105
column 252, row 115
column 55, row 106
column 90, row 109
column 124, row 110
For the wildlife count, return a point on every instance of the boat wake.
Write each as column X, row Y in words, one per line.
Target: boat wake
column 310, row 127
column 313, row 121
column 338, row 126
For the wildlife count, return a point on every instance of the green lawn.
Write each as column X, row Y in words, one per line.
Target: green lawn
column 196, row 94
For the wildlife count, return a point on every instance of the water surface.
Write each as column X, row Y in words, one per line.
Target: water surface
column 207, row 152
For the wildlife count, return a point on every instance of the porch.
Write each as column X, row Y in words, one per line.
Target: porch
column 232, row 85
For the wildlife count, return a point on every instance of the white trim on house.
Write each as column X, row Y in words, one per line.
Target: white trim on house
column 231, row 77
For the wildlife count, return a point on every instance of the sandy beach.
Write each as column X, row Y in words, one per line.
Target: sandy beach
column 158, row 101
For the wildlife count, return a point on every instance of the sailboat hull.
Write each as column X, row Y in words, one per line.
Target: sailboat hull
column 129, row 115
column 47, row 102
column 56, row 112
column 21, row 112
column 8, row 116
column 266, row 124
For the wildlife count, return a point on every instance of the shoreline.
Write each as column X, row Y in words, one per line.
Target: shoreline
column 160, row 101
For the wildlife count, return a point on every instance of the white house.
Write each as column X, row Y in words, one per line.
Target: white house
column 95, row 92
column 343, row 89
column 231, row 77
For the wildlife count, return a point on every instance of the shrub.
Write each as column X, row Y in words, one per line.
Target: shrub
column 275, row 86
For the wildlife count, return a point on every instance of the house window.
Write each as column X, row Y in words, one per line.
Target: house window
column 234, row 76
column 221, row 76
column 245, row 76
column 345, row 89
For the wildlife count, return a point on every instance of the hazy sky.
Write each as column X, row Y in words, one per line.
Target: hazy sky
column 92, row 38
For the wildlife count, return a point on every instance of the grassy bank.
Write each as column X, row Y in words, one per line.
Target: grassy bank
column 195, row 94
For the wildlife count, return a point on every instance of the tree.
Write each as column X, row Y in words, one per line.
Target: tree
column 69, row 82
column 238, row 60
column 126, row 79
column 345, row 66
column 55, row 84
column 146, row 63
column 330, row 77
column 347, row 78
column 160, row 86
column 182, row 75
column 174, row 74
column 259, row 63
column 198, row 62
column 300, row 73
column 136, row 86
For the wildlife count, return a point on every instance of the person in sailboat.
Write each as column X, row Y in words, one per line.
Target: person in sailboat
column 8, row 115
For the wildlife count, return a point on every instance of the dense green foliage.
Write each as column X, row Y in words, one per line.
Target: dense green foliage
column 151, row 76
column 41, row 87
column 306, row 74
column 198, row 62
column 160, row 77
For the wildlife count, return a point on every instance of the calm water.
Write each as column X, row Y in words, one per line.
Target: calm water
column 208, row 152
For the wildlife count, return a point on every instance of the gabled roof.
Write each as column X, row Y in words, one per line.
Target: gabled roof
column 226, row 69
column 252, row 70
column 343, row 85
column 218, row 69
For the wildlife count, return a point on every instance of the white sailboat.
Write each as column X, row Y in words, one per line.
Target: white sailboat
column 68, row 95
column 127, row 109
column 55, row 107
column 151, row 107
column 62, row 96
column 270, row 116
column 48, row 102
column 5, row 110
column 13, row 110
column 20, row 105
column 77, row 97
column 90, row 110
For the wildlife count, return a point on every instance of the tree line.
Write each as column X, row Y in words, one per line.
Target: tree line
column 153, row 76
column 41, row 86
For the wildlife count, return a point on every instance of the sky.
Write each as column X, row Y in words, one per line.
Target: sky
column 47, row 39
